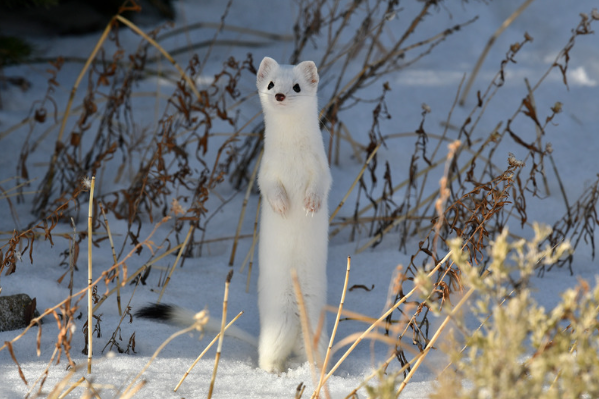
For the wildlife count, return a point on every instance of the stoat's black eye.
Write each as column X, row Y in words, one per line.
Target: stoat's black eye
column 296, row 88
column 271, row 85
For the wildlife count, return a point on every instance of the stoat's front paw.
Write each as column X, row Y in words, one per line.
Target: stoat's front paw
column 279, row 202
column 312, row 203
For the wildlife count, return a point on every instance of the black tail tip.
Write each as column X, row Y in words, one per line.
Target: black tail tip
column 155, row 311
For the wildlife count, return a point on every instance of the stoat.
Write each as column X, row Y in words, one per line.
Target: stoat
column 294, row 181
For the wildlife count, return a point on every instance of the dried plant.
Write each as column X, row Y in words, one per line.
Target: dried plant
column 174, row 165
column 479, row 208
column 563, row 341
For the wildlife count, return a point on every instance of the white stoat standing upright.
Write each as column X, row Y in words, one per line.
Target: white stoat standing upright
column 294, row 181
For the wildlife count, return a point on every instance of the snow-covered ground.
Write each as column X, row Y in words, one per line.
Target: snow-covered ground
column 200, row 283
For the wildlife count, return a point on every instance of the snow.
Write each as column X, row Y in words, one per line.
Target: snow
column 200, row 283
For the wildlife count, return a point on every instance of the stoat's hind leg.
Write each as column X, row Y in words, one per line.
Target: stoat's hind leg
column 278, row 335
column 318, row 352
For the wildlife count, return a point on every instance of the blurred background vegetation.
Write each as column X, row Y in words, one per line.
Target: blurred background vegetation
column 22, row 18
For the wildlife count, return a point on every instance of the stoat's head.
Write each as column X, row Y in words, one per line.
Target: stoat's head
column 287, row 87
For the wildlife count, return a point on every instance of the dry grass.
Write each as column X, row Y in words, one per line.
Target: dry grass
column 479, row 194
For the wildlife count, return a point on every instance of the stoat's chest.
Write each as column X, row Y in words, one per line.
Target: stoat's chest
column 293, row 167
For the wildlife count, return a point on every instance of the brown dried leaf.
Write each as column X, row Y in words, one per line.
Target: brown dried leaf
column 361, row 286
column 12, row 354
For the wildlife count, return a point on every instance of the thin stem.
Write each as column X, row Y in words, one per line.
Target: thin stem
column 191, row 227
column 118, row 279
column 492, row 39
column 221, row 334
column 244, row 207
column 380, row 319
column 434, row 339
column 163, row 52
column 160, row 348
column 90, row 311
column 205, row 350
column 339, row 310
column 306, row 330
column 72, row 387
column 355, row 182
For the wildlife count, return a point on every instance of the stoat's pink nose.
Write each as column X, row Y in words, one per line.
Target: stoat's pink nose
column 280, row 96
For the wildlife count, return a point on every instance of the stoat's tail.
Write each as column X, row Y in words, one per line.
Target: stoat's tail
column 184, row 317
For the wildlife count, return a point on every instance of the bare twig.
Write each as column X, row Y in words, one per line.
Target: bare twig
column 162, row 51
column 220, row 26
column 306, row 329
column 383, row 317
column 72, row 261
column 90, row 311
column 340, row 309
column 539, row 131
column 492, row 39
column 200, row 319
column 191, row 227
column 410, row 213
column 72, row 387
column 45, row 192
column 372, row 154
column 244, row 206
column 35, row 321
column 118, row 279
column 434, row 339
column 250, row 255
column 221, row 334
column 204, row 351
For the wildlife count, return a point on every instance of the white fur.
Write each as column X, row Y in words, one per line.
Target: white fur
column 294, row 181
column 185, row 317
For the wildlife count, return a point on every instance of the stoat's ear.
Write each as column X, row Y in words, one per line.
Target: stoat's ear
column 267, row 65
column 309, row 71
